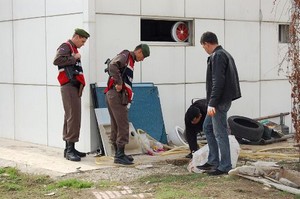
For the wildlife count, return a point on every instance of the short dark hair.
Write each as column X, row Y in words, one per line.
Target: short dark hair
column 209, row 37
column 192, row 112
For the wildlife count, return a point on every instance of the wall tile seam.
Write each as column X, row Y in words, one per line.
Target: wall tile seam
column 174, row 84
column 203, row 82
column 43, row 16
column 6, row 20
column 6, row 83
column 149, row 16
column 271, row 80
column 28, row 84
column 277, row 22
column 190, row 18
column 241, row 20
column 184, row 18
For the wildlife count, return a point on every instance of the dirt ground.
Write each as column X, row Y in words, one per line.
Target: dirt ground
column 215, row 187
column 222, row 187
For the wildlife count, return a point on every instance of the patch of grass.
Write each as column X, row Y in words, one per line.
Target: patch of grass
column 176, row 186
column 104, row 184
column 11, row 187
column 2, row 170
column 15, row 184
column 11, row 173
column 170, row 192
column 71, row 183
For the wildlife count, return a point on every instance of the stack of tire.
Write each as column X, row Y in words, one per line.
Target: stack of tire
column 245, row 130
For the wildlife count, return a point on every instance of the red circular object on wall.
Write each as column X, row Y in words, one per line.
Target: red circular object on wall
column 180, row 31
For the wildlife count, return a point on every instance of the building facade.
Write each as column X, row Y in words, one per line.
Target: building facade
column 31, row 30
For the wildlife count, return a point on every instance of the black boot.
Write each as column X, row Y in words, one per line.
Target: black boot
column 121, row 158
column 80, row 154
column 70, row 154
column 129, row 157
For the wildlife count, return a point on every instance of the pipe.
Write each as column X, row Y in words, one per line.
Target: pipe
column 272, row 116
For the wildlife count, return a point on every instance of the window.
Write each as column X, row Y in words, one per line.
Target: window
column 283, row 33
column 166, row 31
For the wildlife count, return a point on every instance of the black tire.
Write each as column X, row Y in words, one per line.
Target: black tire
column 243, row 127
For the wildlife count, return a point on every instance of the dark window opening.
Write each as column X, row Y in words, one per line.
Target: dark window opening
column 165, row 30
column 284, row 33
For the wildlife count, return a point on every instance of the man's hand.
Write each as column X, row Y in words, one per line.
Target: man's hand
column 118, row 87
column 76, row 56
column 211, row 111
column 80, row 90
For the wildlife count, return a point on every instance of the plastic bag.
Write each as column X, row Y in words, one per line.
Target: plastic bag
column 200, row 156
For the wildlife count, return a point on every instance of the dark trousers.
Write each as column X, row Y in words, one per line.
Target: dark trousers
column 118, row 117
column 72, row 106
column 191, row 138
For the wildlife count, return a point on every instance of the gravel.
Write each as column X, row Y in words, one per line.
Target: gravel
column 131, row 173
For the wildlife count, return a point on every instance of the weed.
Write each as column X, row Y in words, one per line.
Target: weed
column 73, row 183
column 104, row 184
column 171, row 191
column 15, row 184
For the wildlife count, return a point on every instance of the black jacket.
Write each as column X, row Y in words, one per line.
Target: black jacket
column 191, row 130
column 222, row 81
column 201, row 104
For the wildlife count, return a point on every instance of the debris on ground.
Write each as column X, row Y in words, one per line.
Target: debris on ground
column 278, row 177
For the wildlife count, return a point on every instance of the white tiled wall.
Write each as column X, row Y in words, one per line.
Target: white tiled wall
column 7, row 111
column 6, row 52
column 31, row 113
column 114, row 34
column 58, row 7
column 128, row 7
column 172, row 103
column 85, row 131
column 207, row 9
column 275, row 11
column 66, row 25
column 196, row 56
column 275, row 97
column 242, row 10
column 5, row 10
column 242, row 42
column 55, row 116
column 249, row 104
column 173, row 8
column 166, row 65
column 29, row 51
column 272, row 53
column 21, row 8
column 194, row 91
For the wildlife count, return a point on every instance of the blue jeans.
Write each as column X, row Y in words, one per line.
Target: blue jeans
column 215, row 129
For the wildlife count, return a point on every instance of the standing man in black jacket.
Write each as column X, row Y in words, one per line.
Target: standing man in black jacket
column 194, row 118
column 222, row 87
